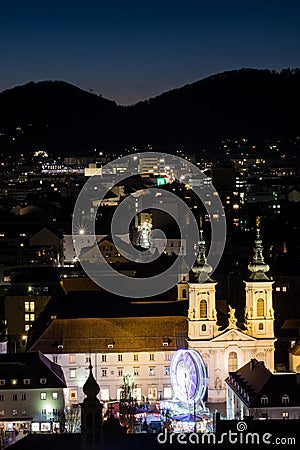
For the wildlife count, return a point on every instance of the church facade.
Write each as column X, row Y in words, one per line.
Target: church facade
column 224, row 351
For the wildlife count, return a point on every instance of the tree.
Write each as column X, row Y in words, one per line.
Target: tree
column 128, row 403
column 72, row 418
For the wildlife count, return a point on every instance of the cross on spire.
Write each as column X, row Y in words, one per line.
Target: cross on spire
column 201, row 268
column 258, row 267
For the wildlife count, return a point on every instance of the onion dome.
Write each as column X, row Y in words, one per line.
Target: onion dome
column 91, row 388
column 201, row 268
column 257, row 266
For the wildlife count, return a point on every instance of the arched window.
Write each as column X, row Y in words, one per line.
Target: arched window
column 203, row 328
column 260, row 307
column 183, row 293
column 232, row 362
column 203, row 308
column 260, row 326
column 264, row 400
column 285, row 399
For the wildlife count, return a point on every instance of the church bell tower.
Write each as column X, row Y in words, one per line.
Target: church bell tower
column 202, row 315
column 259, row 312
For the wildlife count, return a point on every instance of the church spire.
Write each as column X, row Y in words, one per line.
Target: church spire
column 201, row 268
column 91, row 414
column 257, row 266
column 91, row 387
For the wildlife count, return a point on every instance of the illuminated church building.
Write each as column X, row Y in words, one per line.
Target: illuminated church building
column 226, row 350
column 141, row 338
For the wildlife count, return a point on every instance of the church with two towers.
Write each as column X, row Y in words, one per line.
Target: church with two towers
column 226, row 350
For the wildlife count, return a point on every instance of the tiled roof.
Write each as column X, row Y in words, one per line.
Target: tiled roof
column 102, row 304
column 254, row 380
column 125, row 334
column 78, row 284
column 32, row 366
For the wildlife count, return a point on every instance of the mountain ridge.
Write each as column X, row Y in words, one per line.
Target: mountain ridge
column 61, row 117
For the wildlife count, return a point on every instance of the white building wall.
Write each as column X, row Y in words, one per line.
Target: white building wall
column 30, row 407
column 151, row 376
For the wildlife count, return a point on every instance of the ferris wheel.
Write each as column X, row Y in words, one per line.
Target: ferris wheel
column 188, row 376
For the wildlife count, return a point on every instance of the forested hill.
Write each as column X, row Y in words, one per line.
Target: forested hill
column 63, row 118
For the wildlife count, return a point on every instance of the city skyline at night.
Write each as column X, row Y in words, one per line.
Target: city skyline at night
column 150, row 217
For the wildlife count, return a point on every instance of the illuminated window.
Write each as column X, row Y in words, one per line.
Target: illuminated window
column 152, row 393
column 29, row 317
column 29, row 306
column 14, row 412
column 1, row 412
column 167, row 392
column 264, row 400
column 43, row 396
column 285, row 415
column 72, row 373
column 104, row 394
column 72, row 359
column 73, row 394
column 54, row 395
column 26, row 328
column 232, row 362
column 260, row 307
column 203, row 308
column 284, row 289
column 14, row 381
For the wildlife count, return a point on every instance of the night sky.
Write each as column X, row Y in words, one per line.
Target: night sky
column 129, row 50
